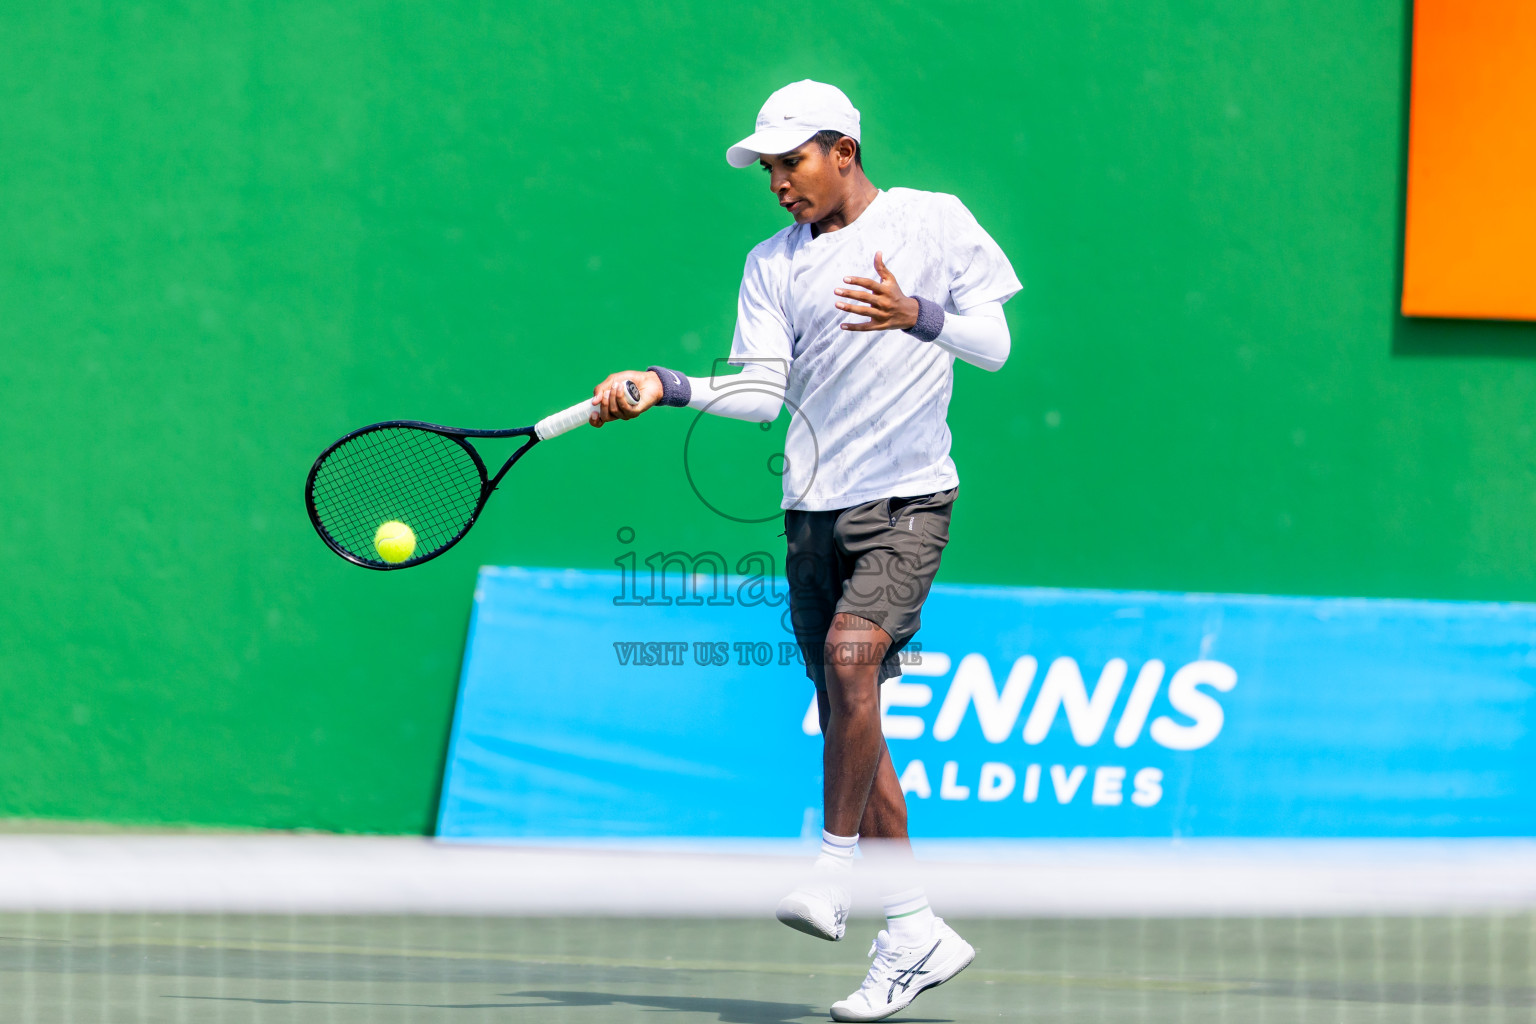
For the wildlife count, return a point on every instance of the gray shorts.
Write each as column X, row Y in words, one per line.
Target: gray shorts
column 876, row 560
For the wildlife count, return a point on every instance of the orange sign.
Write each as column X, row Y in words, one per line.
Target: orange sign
column 1471, row 230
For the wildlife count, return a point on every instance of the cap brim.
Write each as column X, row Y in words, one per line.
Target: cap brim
column 770, row 140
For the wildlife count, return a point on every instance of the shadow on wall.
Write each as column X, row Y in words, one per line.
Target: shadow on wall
column 1439, row 336
column 1462, row 339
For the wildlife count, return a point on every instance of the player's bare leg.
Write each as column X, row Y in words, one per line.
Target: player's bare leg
column 852, row 745
column 885, row 813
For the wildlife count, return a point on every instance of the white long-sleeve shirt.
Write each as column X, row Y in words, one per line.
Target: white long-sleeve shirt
column 756, row 394
column 868, row 409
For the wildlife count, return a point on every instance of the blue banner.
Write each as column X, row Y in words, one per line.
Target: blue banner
column 589, row 709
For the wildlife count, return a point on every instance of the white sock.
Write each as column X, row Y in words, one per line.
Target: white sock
column 908, row 918
column 836, row 851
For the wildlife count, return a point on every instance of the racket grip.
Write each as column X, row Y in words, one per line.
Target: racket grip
column 569, row 419
column 566, row 419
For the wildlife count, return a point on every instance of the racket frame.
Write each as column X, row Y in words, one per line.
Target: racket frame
column 547, row 428
column 488, row 483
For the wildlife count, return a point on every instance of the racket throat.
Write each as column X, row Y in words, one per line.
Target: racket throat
column 495, row 481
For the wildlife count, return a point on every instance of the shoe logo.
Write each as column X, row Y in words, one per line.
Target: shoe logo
column 906, row 977
column 839, row 916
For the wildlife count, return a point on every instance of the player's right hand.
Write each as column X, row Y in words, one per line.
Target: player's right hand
column 612, row 401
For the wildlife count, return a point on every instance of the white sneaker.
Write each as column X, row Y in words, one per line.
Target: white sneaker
column 819, row 907
column 900, row 974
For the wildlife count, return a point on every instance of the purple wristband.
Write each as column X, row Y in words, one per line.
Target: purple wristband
column 930, row 320
column 675, row 389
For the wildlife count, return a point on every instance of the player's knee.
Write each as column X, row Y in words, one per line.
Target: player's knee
column 853, row 711
column 851, row 694
column 852, row 654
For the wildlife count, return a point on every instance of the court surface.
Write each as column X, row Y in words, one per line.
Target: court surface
column 146, row 967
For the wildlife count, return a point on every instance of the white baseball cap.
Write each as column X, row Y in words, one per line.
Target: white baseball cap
column 791, row 116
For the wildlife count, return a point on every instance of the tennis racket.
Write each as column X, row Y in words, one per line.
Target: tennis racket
column 395, row 494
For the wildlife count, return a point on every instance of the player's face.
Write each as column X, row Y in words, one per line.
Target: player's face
column 807, row 182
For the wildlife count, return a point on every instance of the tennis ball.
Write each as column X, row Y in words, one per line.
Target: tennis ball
column 394, row 542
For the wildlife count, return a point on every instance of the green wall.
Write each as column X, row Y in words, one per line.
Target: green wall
column 228, row 233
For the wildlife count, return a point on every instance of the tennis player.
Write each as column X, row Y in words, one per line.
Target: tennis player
column 854, row 316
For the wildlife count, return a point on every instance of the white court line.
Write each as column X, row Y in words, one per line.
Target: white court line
column 283, row 873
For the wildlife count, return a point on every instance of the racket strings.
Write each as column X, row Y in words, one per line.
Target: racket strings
column 420, row 478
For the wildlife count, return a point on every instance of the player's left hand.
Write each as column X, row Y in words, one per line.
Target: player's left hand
column 882, row 301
